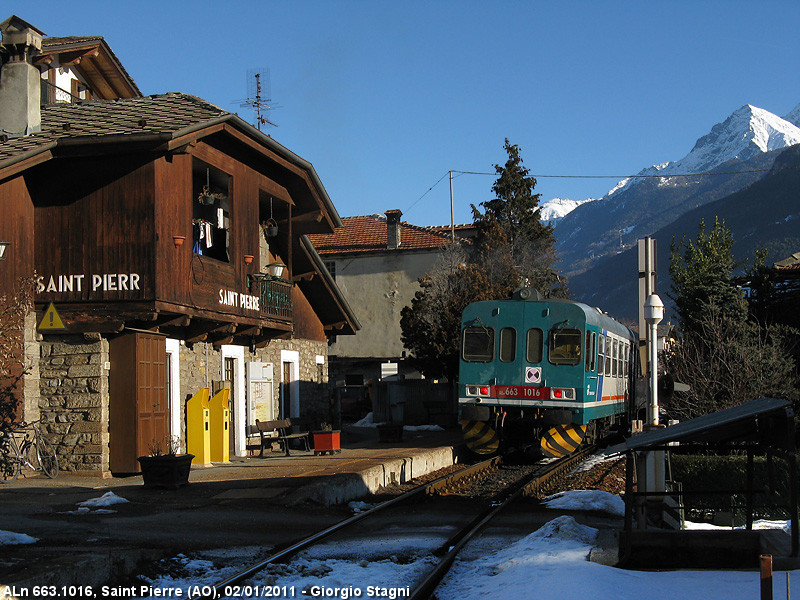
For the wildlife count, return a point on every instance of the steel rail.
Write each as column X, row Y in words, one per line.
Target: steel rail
column 428, row 585
column 215, row 591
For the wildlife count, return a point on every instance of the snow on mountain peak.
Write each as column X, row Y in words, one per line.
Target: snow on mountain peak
column 747, row 132
column 554, row 210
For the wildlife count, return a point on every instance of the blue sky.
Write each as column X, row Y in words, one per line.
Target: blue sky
column 385, row 97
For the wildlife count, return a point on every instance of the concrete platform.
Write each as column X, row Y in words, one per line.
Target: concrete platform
column 247, row 502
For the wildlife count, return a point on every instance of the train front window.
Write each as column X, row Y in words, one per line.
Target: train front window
column 508, row 344
column 478, row 344
column 533, row 348
column 565, row 346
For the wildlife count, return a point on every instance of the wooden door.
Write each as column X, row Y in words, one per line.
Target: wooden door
column 138, row 410
column 231, row 368
column 151, row 402
column 286, row 391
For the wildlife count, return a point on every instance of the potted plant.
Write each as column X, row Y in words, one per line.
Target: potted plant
column 327, row 439
column 165, row 467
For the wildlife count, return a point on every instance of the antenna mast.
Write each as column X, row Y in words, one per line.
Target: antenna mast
column 258, row 90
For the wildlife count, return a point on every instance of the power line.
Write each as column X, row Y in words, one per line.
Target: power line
column 618, row 177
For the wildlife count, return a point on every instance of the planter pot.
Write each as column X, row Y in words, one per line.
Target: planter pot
column 168, row 470
column 390, row 433
column 327, row 442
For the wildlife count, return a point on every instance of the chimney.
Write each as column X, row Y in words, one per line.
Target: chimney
column 393, row 229
column 20, row 80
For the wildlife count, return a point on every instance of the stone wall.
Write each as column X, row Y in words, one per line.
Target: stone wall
column 73, row 387
column 201, row 365
column 73, row 392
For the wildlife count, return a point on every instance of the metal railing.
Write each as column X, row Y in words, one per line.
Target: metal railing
column 275, row 295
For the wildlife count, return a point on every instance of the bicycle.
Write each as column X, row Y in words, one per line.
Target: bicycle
column 14, row 456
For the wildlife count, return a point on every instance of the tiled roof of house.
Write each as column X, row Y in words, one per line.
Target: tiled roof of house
column 789, row 264
column 361, row 235
column 164, row 114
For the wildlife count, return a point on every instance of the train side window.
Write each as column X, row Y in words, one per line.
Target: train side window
column 508, row 344
column 533, row 346
column 601, row 354
column 565, row 346
column 609, row 356
column 478, row 344
column 591, row 352
column 615, row 364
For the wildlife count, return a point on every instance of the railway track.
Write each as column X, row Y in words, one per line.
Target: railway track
column 448, row 551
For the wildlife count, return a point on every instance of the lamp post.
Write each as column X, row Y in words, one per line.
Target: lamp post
column 653, row 313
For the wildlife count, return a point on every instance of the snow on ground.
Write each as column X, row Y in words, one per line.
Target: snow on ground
column 551, row 562
column 107, row 499
column 8, row 538
column 587, row 500
column 369, row 422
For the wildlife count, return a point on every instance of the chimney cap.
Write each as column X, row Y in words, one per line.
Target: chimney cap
column 14, row 24
column 394, row 214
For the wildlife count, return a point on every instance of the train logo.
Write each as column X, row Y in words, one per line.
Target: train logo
column 533, row 374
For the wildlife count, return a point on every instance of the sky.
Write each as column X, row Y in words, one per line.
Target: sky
column 385, row 98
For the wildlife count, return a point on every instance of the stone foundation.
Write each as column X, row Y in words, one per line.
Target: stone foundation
column 73, row 387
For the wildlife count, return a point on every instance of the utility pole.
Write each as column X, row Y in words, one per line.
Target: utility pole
column 452, row 216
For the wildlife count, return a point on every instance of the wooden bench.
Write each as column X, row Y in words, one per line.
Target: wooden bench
column 283, row 427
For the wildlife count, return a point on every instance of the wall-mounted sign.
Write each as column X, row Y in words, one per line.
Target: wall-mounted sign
column 239, row 300
column 51, row 320
column 103, row 282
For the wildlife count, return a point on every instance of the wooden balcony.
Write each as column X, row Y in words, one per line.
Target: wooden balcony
column 275, row 296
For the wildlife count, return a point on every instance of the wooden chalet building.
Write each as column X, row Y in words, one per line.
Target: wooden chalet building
column 155, row 228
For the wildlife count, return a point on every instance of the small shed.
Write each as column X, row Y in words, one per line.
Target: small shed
column 760, row 427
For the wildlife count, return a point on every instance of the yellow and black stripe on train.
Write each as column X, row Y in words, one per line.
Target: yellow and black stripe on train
column 542, row 372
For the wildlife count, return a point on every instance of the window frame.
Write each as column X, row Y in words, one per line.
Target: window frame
column 566, row 360
column 490, row 345
column 540, row 348
column 501, row 350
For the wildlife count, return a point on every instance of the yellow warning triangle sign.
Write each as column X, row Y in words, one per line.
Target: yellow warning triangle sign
column 51, row 320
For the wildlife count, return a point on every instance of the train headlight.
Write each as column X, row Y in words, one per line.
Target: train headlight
column 484, row 390
column 562, row 393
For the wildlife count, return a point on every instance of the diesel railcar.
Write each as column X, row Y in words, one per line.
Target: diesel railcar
column 546, row 373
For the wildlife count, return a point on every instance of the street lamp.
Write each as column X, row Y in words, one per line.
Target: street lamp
column 653, row 313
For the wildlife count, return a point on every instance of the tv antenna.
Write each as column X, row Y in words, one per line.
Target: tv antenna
column 258, row 92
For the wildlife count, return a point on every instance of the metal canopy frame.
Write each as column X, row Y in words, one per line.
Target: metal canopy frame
column 762, row 426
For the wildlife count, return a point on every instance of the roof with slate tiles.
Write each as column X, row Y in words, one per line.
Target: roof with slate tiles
column 366, row 234
column 168, row 115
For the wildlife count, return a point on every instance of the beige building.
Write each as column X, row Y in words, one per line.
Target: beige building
column 377, row 261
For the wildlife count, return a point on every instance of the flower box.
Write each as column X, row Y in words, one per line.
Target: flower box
column 327, row 441
column 166, row 470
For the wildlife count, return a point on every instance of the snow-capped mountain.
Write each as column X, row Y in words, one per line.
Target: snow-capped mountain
column 739, row 150
column 794, row 116
column 552, row 211
column 746, row 133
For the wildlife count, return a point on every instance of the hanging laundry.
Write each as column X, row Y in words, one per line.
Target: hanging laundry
column 207, row 228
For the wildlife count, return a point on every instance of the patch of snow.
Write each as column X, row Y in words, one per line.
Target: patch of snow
column 587, row 500
column 552, row 211
column 107, row 499
column 369, row 421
